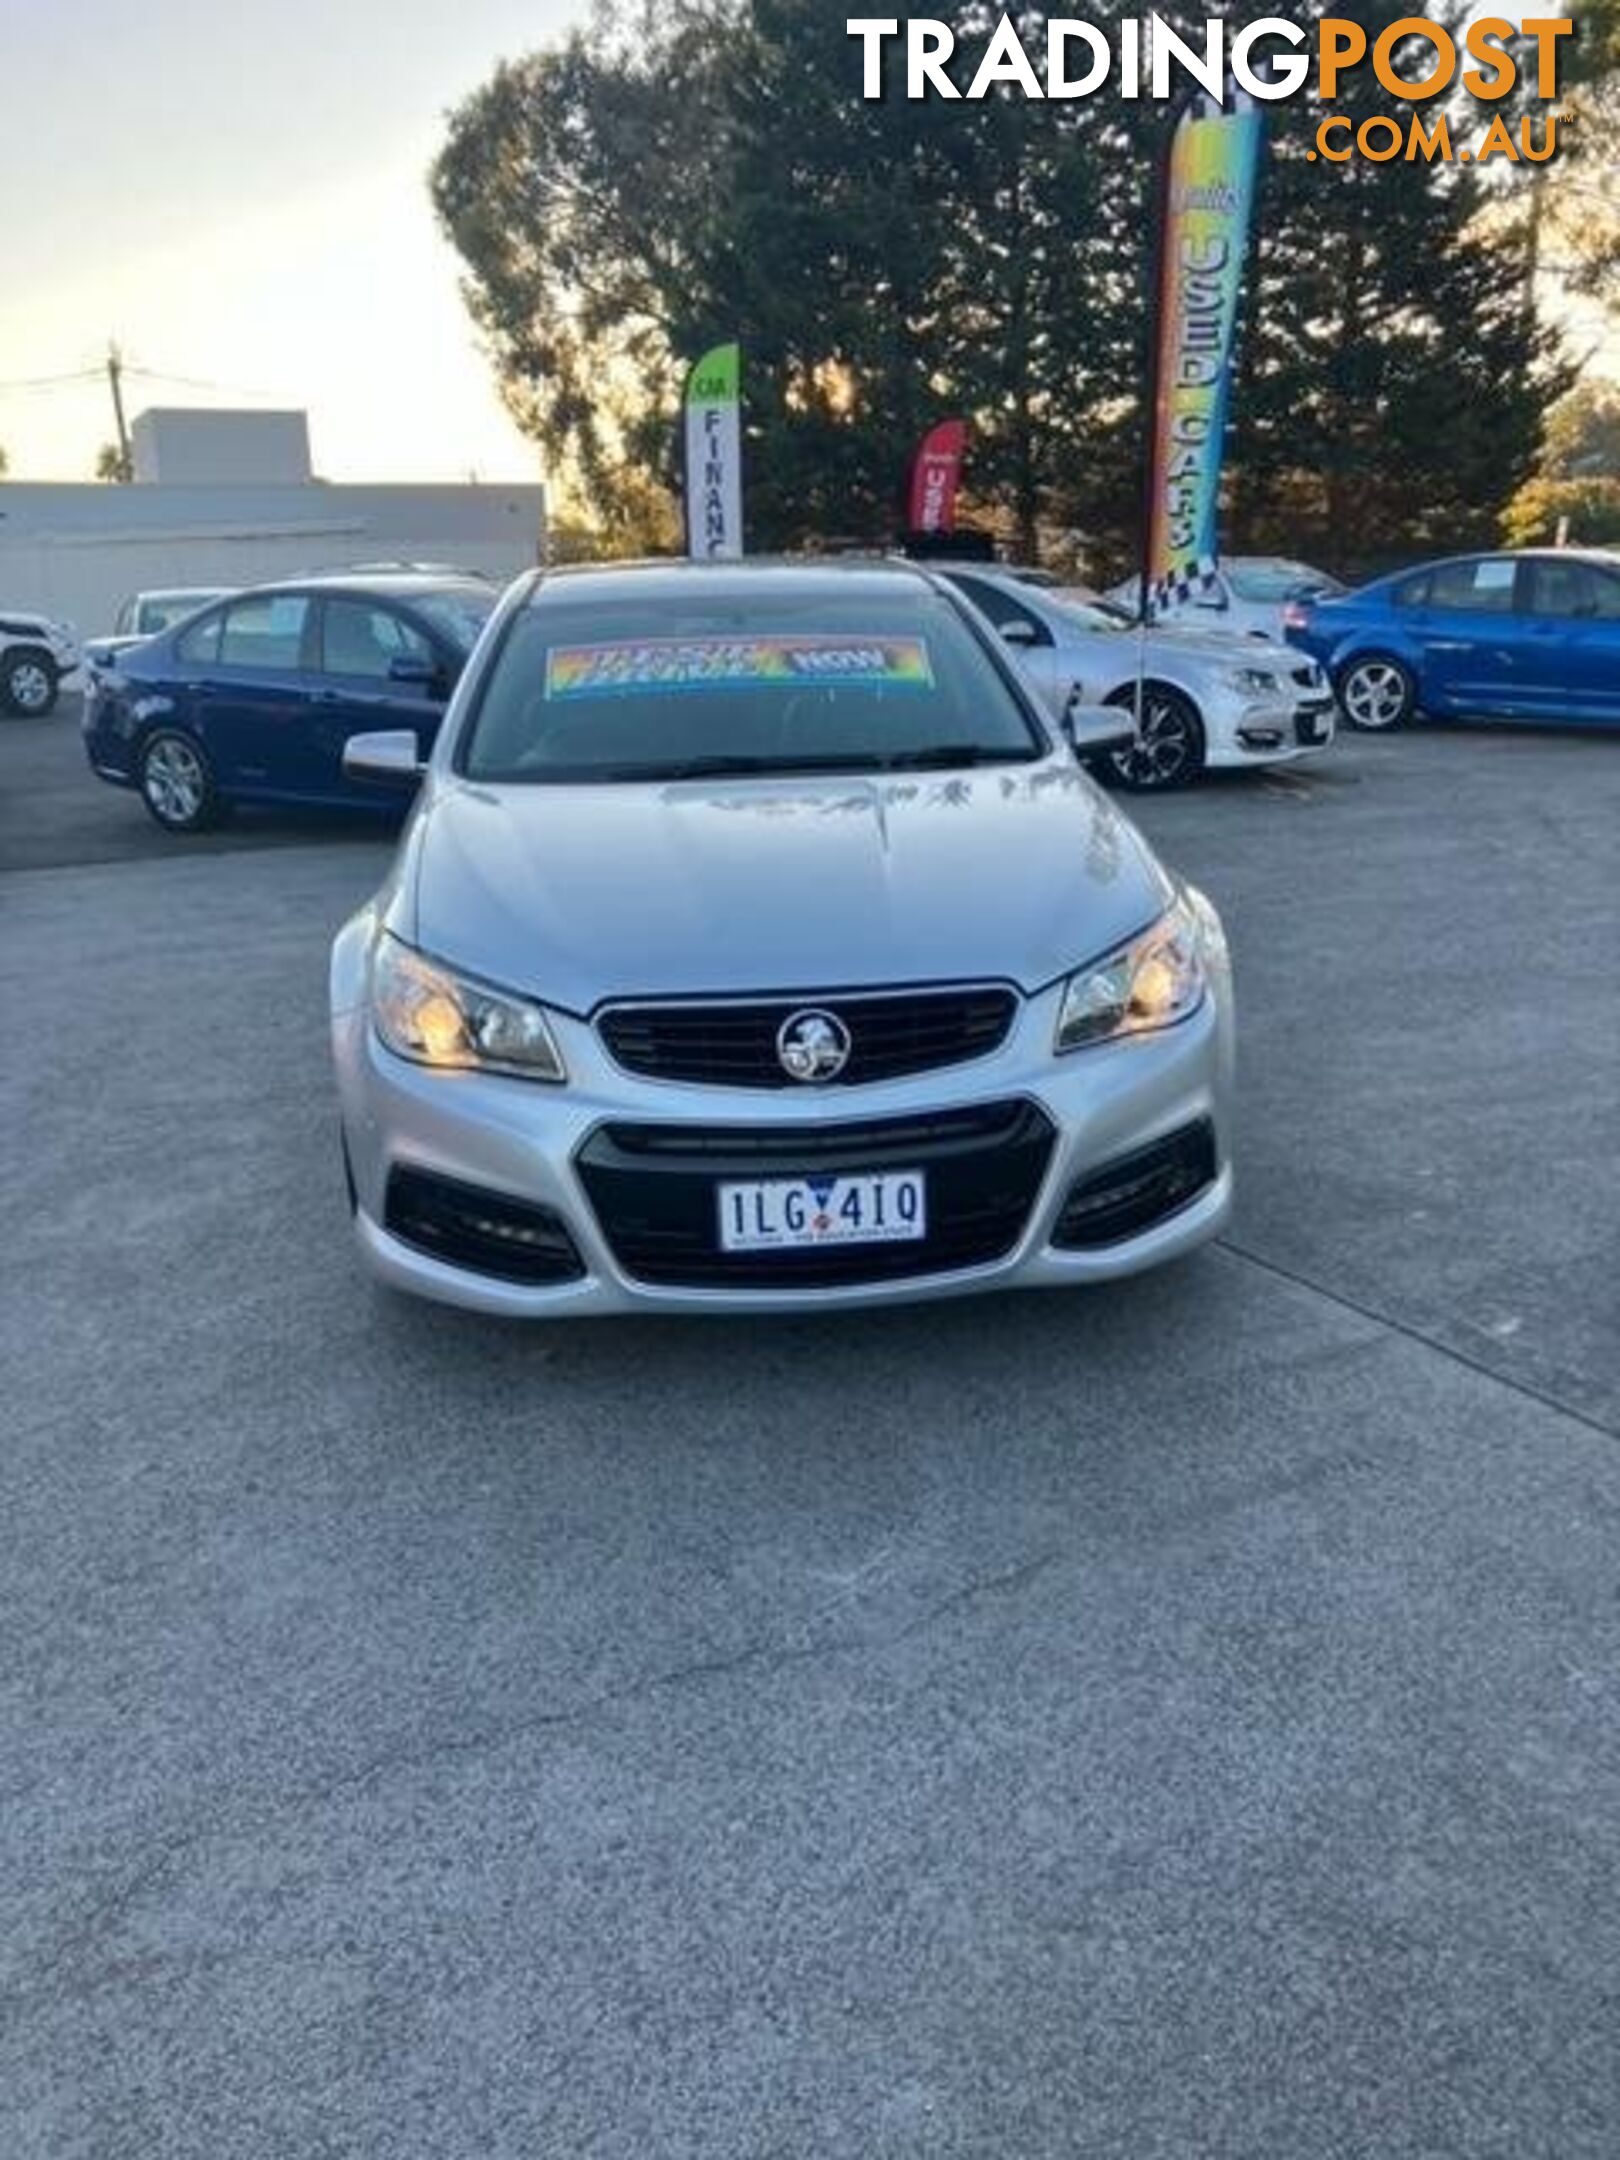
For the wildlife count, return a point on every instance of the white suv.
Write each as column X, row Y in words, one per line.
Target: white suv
column 35, row 654
column 1206, row 700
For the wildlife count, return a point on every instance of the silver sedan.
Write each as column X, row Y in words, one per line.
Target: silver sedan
column 1208, row 699
column 757, row 943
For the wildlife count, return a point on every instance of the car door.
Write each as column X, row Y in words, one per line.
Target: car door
column 1470, row 639
column 1571, row 614
column 1027, row 634
column 246, row 682
column 378, row 669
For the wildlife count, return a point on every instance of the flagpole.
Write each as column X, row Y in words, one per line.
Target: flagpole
column 1159, row 226
column 682, row 430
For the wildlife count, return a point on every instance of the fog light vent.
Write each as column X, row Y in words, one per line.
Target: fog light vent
column 469, row 1226
column 1137, row 1191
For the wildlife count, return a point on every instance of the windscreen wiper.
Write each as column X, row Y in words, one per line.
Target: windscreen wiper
column 741, row 768
column 939, row 757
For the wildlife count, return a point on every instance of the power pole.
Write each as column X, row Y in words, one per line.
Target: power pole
column 115, row 382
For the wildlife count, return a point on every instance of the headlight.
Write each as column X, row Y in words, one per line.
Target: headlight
column 1151, row 983
column 426, row 1012
column 1252, row 680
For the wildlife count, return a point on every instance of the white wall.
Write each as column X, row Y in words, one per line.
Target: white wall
column 75, row 552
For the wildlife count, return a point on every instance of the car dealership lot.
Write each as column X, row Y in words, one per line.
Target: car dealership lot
column 1178, row 1719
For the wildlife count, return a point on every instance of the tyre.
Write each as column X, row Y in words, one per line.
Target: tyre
column 1376, row 692
column 28, row 683
column 1169, row 752
column 177, row 782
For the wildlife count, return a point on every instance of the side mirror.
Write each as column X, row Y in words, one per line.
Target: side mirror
column 1094, row 730
column 407, row 668
column 1017, row 632
column 391, row 755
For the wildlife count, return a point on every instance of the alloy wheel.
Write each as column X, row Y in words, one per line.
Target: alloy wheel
column 173, row 780
column 30, row 687
column 1375, row 694
column 1165, row 750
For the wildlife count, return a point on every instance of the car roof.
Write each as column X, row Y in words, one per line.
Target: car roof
column 1030, row 580
column 1593, row 554
column 674, row 578
column 383, row 585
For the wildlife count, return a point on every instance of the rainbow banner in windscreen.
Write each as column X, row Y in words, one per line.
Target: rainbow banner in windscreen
column 718, row 663
column 1209, row 201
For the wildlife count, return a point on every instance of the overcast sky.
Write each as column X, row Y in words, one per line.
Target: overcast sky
column 235, row 191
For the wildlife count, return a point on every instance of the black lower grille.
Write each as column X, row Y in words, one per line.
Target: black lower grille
column 468, row 1226
column 655, row 1192
column 734, row 1044
column 1138, row 1190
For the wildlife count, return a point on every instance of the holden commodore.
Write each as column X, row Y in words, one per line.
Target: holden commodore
column 755, row 942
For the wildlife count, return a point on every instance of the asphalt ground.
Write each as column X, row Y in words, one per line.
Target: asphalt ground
column 1179, row 1719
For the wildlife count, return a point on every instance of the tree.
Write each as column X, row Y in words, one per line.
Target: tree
column 1563, row 216
column 112, row 464
column 1582, row 435
column 1578, row 475
column 1588, row 510
column 578, row 187
column 669, row 177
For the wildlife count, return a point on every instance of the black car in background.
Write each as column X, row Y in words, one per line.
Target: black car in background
column 252, row 701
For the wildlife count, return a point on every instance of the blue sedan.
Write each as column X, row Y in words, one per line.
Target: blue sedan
column 1530, row 636
column 252, row 700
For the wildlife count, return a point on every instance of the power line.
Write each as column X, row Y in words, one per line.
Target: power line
column 49, row 382
column 193, row 382
column 18, row 385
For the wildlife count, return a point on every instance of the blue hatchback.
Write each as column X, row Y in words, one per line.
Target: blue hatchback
column 1526, row 636
column 253, row 699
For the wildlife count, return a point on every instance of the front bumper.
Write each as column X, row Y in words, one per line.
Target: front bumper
column 528, row 1143
column 1274, row 731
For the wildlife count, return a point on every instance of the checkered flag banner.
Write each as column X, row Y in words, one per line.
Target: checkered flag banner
column 1182, row 582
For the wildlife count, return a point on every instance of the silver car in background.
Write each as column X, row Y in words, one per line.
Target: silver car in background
column 1209, row 700
column 757, row 943
column 1247, row 596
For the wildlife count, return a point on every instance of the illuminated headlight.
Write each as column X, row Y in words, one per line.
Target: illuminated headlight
column 1253, row 681
column 426, row 1012
column 1156, row 980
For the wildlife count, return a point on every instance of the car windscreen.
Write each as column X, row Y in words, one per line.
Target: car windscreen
column 649, row 689
column 163, row 610
column 1271, row 578
column 1090, row 612
column 458, row 613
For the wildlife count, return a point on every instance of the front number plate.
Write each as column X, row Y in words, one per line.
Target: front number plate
column 787, row 1214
